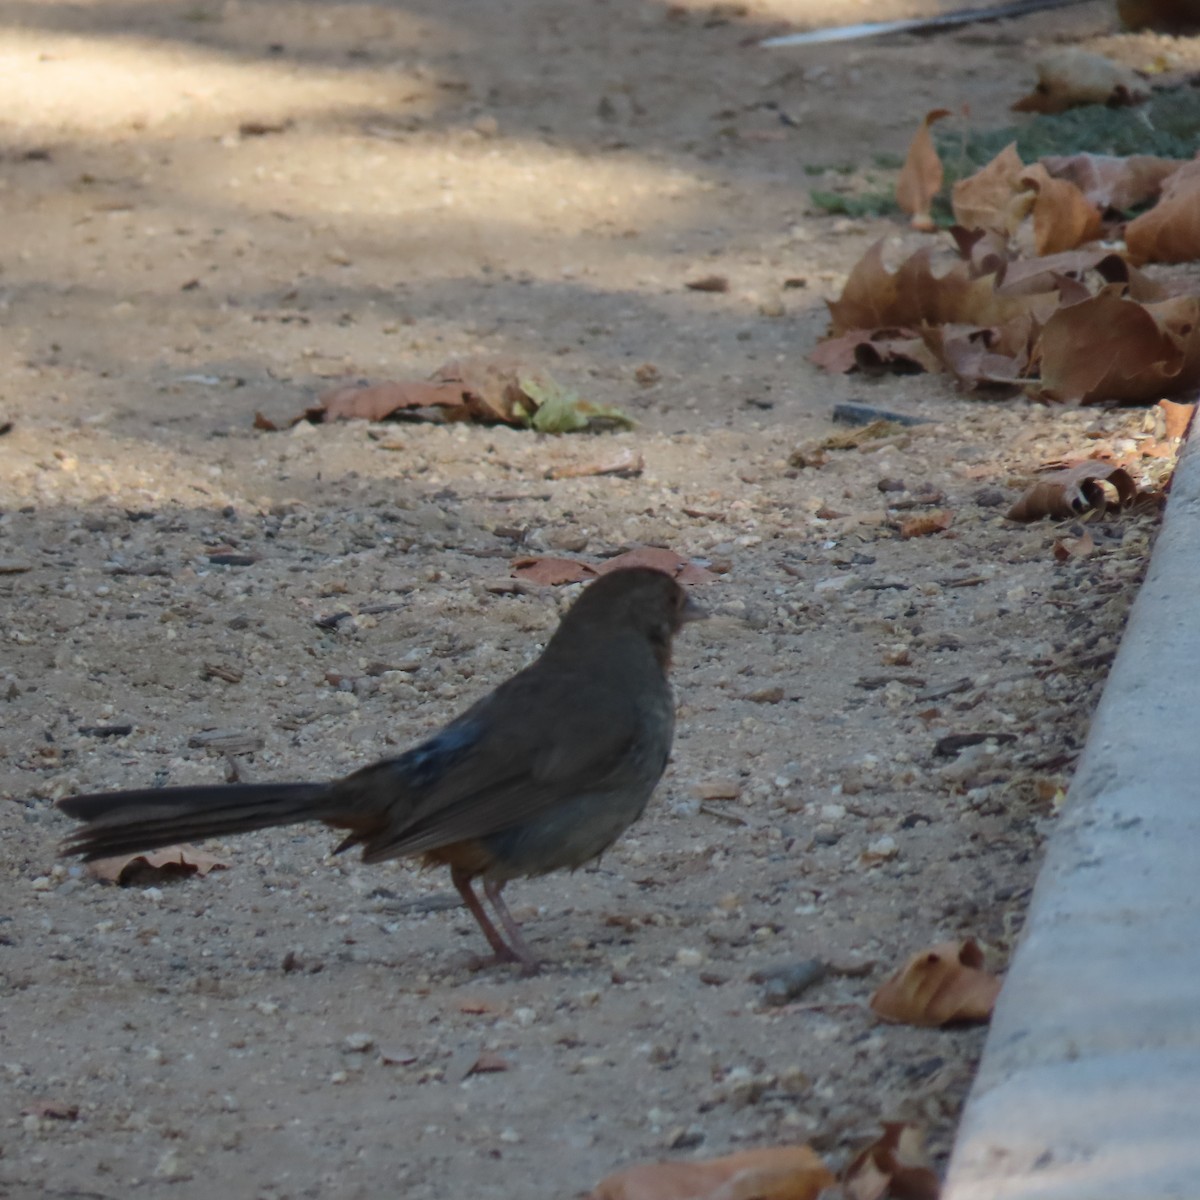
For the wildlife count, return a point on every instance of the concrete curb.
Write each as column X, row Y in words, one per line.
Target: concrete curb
column 1089, row 1087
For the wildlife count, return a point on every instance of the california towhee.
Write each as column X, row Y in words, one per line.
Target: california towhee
column 545, row 772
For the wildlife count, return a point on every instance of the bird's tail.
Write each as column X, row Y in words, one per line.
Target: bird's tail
column 129, row 822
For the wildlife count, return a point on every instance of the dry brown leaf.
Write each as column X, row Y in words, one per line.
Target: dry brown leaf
column 894, row 1165
column 378, row 401
column 490, row 387
column 921, row 526
column 183, row 859
column 627, row 465
column 945, row 983
column 552, row 571
column 1112, row 348
column 1114, row 181
column 708, row 283
column 1062, row 217
column 1046, row 273
column 488, row 1063
column 1170, row 231
column 912, row 297
column 1078, row 547
column 767, row 1173
column 984, row 356
column 1069, row 77
column 921, row 176
column 991, row 198
column 660, row 559
column 1071, row 491
column 873, row 349
column 1176, row 418
column 52, row 1110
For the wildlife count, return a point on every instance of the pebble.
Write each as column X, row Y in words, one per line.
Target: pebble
column 784, row 983
column 357, row 1043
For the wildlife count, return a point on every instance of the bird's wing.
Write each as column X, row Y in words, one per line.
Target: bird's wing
column 537, row 739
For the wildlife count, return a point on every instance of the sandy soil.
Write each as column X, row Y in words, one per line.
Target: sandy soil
column 212, row 210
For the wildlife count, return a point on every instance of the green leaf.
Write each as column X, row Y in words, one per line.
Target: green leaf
column 563, row 410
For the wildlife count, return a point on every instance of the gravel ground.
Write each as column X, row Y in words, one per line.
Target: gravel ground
column 172, row 578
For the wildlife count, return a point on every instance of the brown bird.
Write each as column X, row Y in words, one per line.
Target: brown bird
column 543, row 773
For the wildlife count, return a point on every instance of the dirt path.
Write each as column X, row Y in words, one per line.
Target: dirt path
column 214, row 210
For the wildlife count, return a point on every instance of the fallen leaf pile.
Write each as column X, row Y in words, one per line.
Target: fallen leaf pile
column 1033, row 301
column 490, row 390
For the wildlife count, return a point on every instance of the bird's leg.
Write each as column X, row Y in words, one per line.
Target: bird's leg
column 516, row 942
column 500, row 948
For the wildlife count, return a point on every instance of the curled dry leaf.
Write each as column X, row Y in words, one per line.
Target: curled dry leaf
column 874, row 349
column 1062, row 217
column 925, row 524
column 1076, row 547
column 1170, row 231
column 1071, row 77
column 183, row 859
column 984, row 355
column 489, row 1063
column 1112, row 348
column 377, row 402
column 708, row 283
column 767, row 1173
column 660, row 559
column 1074, row 490
column 895, row 1165
column 1047, row 272
column 945, row 983
column 921, row 176
column 991, row 198
column 1111, row 181
column 554, row 571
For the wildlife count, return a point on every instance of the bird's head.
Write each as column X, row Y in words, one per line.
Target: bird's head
column 642, row 600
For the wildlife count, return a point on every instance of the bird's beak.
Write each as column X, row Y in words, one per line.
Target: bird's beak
column 691, row 611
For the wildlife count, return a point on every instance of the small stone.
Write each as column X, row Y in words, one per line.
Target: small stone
column 717, row 789
column 171, row 1166
column 784, row 983
column 357, row 1043
column 991, row 497
column 688, row 956
column 881, row 849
